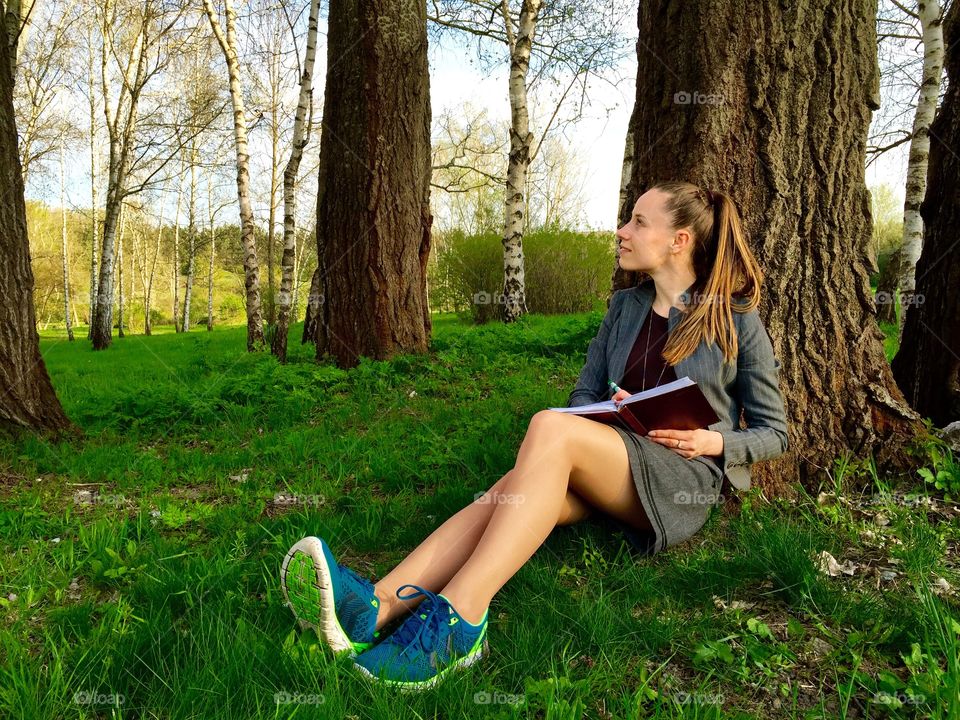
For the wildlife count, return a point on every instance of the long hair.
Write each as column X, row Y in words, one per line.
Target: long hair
column 728, row 275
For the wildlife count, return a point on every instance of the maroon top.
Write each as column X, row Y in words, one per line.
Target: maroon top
column 633, row 378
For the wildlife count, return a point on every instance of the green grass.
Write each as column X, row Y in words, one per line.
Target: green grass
column 157, row 595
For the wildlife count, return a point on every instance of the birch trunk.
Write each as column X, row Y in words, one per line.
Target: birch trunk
column 192, row 235
column 151, row 276
column 930, row 23
column 927, row 366
column 228, row 45
column 176, row 255
column 94, row 275
column 213, row 250
column 121, row 148
column 785, row 135
column 64, row 254
column 521, row 140
column 298, row 142
column 119, row 263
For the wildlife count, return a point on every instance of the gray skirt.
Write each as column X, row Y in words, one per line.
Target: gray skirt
column 676, row 493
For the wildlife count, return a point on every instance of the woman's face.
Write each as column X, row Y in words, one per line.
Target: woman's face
column 645, row 240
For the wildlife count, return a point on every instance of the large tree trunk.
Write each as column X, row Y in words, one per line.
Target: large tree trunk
column 27, row 399
column 929, row 13
column 521, row 139
column 299, row 141
column 795, row 85
column 251, row 269
column 373, row 207
column 927, row 367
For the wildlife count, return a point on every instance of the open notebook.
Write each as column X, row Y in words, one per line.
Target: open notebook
column 677, row 405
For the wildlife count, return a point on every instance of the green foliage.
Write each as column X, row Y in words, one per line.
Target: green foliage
column 565, row 272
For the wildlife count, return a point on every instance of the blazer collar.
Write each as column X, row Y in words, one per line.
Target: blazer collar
column 632, row 319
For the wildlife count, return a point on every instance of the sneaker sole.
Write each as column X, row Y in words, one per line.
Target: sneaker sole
column 463, row 662
column 308, row 591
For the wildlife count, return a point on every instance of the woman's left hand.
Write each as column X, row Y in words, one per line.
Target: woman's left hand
column 690, row 443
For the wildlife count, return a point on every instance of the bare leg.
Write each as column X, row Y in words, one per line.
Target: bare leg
column 440, row 556
column 559, row 452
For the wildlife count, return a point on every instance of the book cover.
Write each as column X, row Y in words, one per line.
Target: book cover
column 677, row 405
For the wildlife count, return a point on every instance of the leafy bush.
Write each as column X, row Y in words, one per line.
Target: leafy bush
column 565, row 272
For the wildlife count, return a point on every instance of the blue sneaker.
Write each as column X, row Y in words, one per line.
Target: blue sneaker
column 339, row 605
column 430, row 643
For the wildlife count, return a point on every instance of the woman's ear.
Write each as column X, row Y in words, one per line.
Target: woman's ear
column 681, row 239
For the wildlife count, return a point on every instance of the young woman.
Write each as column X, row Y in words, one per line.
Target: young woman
column 695, row 315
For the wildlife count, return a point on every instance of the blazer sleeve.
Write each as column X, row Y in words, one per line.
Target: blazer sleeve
column 591, row 385
column 757, row 390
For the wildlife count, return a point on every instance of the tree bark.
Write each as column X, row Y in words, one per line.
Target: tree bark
column 251, row 269
column 927, row 365
column 298, row 142
column 930, row 22
column 373, row 208
column 27, row 398
column 772, row 105
column 521, row 140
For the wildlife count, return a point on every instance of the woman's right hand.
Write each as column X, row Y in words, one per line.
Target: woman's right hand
column 620, row 395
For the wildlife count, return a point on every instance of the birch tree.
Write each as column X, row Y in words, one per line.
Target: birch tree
column 137, row 42
column 228, row 45
column 929, row 15
column 927, row 365
column 301, row 127
column 568, row 42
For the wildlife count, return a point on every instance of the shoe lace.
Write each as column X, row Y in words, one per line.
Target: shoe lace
column 422, row 627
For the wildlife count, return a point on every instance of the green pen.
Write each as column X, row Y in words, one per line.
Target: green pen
column 613, row 386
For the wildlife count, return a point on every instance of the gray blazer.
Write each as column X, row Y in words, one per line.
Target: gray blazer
column 751, row 385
